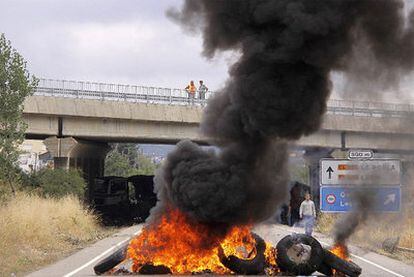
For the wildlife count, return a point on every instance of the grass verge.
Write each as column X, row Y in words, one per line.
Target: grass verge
column 35, row 231
column 372, row 233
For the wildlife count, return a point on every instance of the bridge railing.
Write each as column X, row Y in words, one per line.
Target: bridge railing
column 118, row 92
column 366, row 108
column 134, row 93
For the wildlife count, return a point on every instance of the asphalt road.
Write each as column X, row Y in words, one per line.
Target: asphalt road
column 82, row 262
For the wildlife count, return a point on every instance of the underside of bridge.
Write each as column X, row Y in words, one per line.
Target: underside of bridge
column 89, row 157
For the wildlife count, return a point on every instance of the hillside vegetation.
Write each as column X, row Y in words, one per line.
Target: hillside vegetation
column 372, row 233
column 36, row 231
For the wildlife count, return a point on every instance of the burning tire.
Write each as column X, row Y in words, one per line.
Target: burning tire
column 149, row 269
column 254, row 266
column 299, row 254
column 325, row 269
column 112, row 260
column 347, row 267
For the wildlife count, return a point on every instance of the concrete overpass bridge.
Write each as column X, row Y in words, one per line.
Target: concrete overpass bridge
column 115, row 113
column 77, row 120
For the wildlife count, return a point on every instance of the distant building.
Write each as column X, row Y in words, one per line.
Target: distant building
column 34, row 156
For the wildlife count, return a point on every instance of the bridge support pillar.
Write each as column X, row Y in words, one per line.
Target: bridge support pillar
column 70, row 153
column 312, row 157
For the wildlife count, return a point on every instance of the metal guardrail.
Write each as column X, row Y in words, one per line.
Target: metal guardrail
column 115, row 92
column 145, row 94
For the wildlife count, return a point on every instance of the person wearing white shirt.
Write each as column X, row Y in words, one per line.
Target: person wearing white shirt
column 202, row 91
column 307, row 213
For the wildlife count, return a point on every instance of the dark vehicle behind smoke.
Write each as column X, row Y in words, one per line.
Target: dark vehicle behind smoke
column 122, row 200
column 289, row 211
column 110, row 191
column 144, row 195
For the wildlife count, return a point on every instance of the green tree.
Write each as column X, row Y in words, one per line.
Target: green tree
column 16, row 84
column 57, row 183
column 129, row 151
column 145, row 165
column 117, row 164
column 126, row 160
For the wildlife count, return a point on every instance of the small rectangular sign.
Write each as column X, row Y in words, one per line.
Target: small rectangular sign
column 360, row 172
column 339, row 199
column 360, row 154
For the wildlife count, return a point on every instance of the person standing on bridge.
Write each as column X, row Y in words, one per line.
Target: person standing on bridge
column 191, row 90
column 202, row 90
column 307, row 213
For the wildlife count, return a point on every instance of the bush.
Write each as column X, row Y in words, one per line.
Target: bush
column 57, row 183
column 35, row 231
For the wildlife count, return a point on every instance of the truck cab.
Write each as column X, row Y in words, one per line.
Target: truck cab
column 110, row 191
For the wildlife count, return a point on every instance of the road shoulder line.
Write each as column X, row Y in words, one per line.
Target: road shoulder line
column 99, row 256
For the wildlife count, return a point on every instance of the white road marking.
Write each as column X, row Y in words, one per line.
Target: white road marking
column 369, row 262
column 377, row 265
column 99, row 256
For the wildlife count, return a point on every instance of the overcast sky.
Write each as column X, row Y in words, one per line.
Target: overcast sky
column 119, row 41
column 126, row 41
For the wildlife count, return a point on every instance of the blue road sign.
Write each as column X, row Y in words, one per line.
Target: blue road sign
column 338, row 199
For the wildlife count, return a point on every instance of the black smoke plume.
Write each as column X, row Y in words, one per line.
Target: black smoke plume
column 363, row 205
column 242, row 184
column 277, row 91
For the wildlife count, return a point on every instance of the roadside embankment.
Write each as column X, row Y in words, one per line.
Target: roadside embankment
column 380, row 227
column 36, row 231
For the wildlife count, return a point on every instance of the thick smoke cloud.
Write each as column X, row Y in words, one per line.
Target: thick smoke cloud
column 382, row 52
column 280, row 84
column 239, row 185
column 277, row 91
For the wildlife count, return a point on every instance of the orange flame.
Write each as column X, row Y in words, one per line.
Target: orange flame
column 186, row 246
column 341, row 251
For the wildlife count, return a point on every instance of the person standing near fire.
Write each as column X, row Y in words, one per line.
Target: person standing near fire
column 191, row 90
column 307, row 213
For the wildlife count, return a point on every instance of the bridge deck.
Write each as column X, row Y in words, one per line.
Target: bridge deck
column 105, row 113
column 171, row 96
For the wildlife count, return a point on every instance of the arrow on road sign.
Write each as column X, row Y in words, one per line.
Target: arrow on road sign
column 338, row 199
column 376, row 172
column 330, row 170
column 390, row 199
